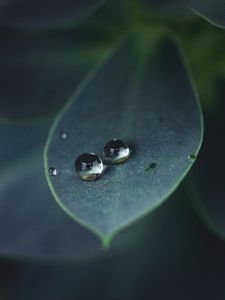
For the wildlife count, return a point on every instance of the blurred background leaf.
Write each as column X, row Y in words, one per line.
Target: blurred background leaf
column 207, row 192
column 212, row 11
column 44, row 13
column 180, row 261
column 18, row 140
column 44, row 66
column 31, row 224
column 204, row 46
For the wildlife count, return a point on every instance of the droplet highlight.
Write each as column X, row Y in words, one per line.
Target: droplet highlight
column 89, row 166
column 52, row 171
column 63, row 135
column 116, row 151
column 191, row 157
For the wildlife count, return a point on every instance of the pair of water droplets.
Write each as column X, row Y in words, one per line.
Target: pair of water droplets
column 90, row 166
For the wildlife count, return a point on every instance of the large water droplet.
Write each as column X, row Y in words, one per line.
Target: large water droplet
column 116, row 151
column 52, row 171
column 89, row 166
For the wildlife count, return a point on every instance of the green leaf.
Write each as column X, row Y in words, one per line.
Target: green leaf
column 179, row 255
column 164, row 6
column 42, row 68
column 212, row 11
column 43, row 71
column 31, row 224
column 149, row 102
column 207, row 185
column 18, row 140
column 44, row 13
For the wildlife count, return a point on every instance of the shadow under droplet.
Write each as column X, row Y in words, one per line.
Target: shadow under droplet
column 106, row 168
column 133, row 148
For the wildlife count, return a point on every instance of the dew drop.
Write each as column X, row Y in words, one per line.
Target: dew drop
column 116, row 151
column 52, row 171
column 191, row 157
column 89, row 166
column 151, row 166
column 63, row 135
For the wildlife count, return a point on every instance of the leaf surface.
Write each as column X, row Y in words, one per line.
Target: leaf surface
column 212, row 11
column 150, row 103
column 44, row 13
column 42, row 67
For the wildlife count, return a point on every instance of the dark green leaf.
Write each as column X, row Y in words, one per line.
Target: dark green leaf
column 154, row 109
column 178, row 262
column 212, row 11
column 165, row 5
column 45, row 12
column 40, row 75
column 31, row 224
column 207, row 185
column 19, row 139
column 40, row 69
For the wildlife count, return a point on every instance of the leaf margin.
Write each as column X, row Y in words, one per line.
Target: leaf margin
column 106, row 239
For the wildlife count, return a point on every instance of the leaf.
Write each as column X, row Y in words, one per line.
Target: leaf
column 207, row 185
column 18, row 140
column 42, row 67
column 31, row 224
column 41, row 74
column 180, row 245
column 212, row 11
column 172, row 6
column 154, row 109
column 45, row 12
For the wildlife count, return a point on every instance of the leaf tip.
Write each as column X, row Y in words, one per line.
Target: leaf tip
column 106, row 242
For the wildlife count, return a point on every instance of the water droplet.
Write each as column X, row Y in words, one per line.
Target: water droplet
column 151, row 166
column 63, row 135
column 192, row 157
column 116, row 151
column 52, row 171
column 89, row 166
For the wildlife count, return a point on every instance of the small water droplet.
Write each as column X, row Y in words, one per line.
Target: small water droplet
column 116, row 151
column 52, row 171
column 192, row 157
column 89, row 166
column 63, row 135
column 152, row 165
